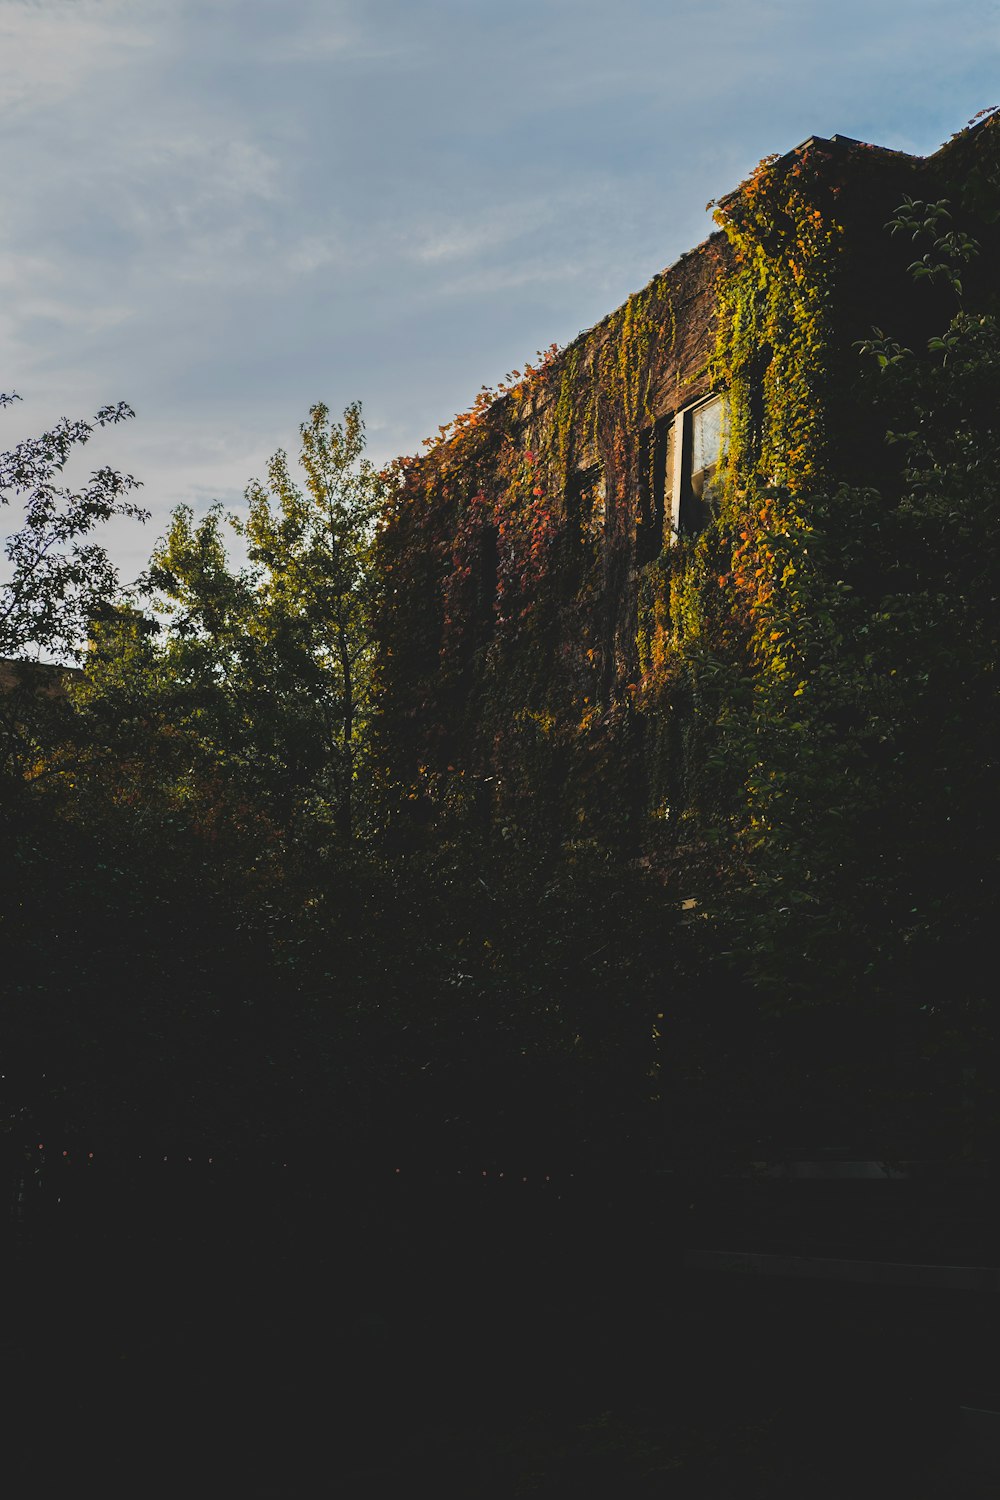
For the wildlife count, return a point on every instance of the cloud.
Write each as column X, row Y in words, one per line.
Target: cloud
column 52, row 49
column 313, row 253
column 315, row 44
column 487, row 230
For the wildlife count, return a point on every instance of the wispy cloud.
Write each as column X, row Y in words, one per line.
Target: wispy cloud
column 312, row 253
column 53, row 49
column 487, row 231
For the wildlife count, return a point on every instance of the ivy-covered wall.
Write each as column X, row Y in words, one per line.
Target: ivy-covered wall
column 550, row 653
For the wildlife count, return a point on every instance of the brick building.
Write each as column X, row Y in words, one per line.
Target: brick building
column 532, row 554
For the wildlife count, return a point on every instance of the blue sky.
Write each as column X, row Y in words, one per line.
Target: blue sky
column 222, row 211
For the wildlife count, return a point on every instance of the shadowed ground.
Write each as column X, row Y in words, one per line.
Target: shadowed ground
column 494, row 1339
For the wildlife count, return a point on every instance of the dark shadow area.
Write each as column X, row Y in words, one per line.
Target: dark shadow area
column 193, row 1330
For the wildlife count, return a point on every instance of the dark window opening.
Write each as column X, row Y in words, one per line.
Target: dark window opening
column 755, row 435
column 655, row 477
column 487, row 573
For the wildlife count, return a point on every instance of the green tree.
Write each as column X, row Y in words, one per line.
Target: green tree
column 314, row 587
column 59, row 577
column 260, row 676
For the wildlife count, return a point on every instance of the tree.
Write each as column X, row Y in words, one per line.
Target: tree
column 314, row 588
column 260, row 679
column 59, row 577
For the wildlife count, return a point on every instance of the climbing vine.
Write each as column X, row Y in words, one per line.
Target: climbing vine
column 799, row 657
column 512, row 538
column 548, row 620
column 787, row 715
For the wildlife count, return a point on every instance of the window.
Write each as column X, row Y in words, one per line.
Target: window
column 708, row 436
column 697, row 446
column 655, row 487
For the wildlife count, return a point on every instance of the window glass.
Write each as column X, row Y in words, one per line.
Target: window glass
column 708, row 442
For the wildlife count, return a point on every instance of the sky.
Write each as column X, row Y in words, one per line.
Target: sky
column 224, row 211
